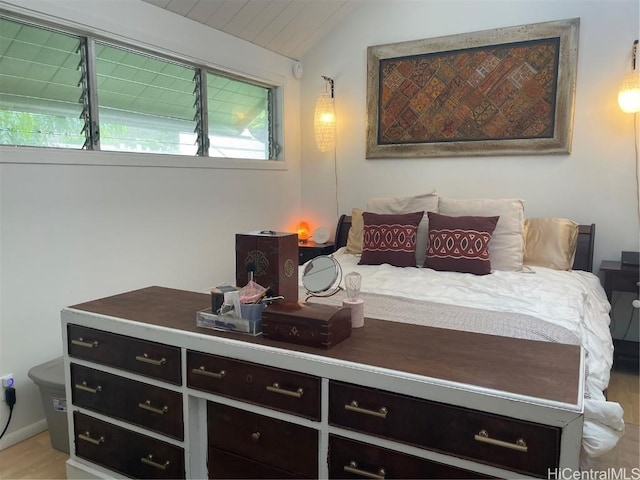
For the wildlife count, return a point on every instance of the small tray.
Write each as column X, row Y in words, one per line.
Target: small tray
column 228, row 323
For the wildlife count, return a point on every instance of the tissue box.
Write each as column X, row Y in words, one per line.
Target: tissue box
column 303, row 323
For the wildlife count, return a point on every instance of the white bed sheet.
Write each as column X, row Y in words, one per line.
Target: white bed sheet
column 574, row 300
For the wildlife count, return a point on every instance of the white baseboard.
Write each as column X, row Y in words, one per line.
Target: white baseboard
column 79, row 470
column 18, row 436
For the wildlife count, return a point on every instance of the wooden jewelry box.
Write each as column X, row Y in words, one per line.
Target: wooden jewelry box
column 304, row 323
column 273, row 259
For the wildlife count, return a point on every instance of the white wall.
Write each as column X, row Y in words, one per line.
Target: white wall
column 71, row 233
column 595, row 183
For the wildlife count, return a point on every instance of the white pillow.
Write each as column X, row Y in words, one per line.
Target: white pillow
column 427, row 202
column 506, row 248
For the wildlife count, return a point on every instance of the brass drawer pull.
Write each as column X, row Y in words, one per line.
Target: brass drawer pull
column 145, row 359
column 353, row 468
column 255, row 436
column 83, row 386
column 87, row 438
column 81, row 343
column 146, row 405
column 275, row 388
column 148, row 460
column 483, row 436
column 354, row 407
column 203, row 371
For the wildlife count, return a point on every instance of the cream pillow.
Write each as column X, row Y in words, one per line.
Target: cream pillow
column 550, row 242
column 427, row 202
column 354, row 239
column 506, row 248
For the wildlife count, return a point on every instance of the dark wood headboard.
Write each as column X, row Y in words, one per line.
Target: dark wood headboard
column 584, row 250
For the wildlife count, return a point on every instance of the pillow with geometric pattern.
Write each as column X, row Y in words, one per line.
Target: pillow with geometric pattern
column 507, row 240
column 460, row 244
column 390, row 238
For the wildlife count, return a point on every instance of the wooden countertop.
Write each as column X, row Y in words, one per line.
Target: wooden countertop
column 525, row 367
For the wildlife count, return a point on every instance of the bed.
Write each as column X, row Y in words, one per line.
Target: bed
column 560, row 304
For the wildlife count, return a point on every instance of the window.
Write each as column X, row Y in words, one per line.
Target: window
column 238, row 118
column 145, row 104
column 39, row 88
column 73, row 91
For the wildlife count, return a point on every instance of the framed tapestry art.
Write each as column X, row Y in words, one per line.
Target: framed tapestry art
column 507, row 91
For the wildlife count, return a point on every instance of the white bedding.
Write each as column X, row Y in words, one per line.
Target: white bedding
column 573, row 300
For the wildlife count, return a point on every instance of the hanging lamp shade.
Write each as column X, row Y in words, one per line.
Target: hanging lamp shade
column 629, row 94
column 325, row 123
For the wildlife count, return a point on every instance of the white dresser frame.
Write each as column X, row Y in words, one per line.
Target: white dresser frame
column 568, row 417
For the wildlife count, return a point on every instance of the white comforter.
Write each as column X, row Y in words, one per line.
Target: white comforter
column 573, row 300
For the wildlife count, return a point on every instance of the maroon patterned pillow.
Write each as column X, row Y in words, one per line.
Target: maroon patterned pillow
column 390, row 239
column 460, row 244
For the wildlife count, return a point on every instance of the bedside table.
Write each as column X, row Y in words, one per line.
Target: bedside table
column 622, row 284
column 310, row 249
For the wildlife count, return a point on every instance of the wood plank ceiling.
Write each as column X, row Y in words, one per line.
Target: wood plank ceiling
column 287, row 27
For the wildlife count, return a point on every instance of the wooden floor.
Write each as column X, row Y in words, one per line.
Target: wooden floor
column 33, row 458
column 624, row 389
column 36, row 459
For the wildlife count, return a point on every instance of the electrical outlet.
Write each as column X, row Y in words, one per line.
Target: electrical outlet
column 8, row 380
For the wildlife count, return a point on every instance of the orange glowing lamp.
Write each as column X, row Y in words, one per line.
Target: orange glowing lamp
column 303, row 232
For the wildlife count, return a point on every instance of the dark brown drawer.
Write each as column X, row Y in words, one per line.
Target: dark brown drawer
column 492, row 439
column 625, row 281
column 276, row 443
column 134, row 355
column 127, row 452
column 151, row 407
column 223, row 464
column 352, row 459
column 283, row 390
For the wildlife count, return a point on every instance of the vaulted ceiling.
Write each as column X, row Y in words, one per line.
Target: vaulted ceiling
column 287, row 27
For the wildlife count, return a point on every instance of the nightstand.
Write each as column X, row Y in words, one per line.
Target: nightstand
column 310, row 249
column 622, row 284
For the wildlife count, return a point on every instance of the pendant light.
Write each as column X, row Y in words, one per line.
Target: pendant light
column 325, row 119
column 629, row 94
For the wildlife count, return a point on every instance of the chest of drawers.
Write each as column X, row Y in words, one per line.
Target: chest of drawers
column 113, row 408
column 352, row 459
column 224, row 465
column 525, row 447
column 134, row 355
column 197, row 403
column 276, row 443
column 148, row 406
column 124, row 451
column 622, row 286
column 275, row 388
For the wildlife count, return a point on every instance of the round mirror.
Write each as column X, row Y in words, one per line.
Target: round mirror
column 320, row 275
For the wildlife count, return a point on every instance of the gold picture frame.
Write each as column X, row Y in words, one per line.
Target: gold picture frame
column 507, row 91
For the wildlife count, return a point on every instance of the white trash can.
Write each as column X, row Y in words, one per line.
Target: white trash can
column 49, row 377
